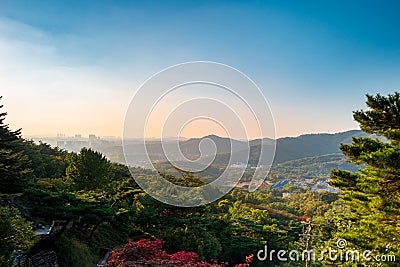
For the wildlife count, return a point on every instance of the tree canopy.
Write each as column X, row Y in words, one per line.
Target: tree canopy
column 88, row 170
column 373, row 192
column 13, row 162
column 15, row 234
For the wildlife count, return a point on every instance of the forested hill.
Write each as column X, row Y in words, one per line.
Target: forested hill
column 311, row 145
column 311, row 155
column 292, row 148
column 287, row 148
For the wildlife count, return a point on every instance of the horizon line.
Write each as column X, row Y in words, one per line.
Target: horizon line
column 52, row 136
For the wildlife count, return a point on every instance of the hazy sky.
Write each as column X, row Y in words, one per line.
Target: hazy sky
column 73, row 66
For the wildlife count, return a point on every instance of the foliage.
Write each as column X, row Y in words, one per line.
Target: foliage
column 44, row 160
column 148, row 252
column 312, row 167
column 75, row 252
column 183, row 179
column 13, row 162
column 88, row 170
column 373, row 193
column 15, row 234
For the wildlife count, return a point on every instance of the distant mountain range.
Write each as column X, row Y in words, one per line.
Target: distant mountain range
column 309, row 155
column 311, row 145
column 287, row 148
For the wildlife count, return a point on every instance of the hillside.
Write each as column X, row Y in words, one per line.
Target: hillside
column 312, row 167
column 292, row 148
column 306, row 156
column 310, row 145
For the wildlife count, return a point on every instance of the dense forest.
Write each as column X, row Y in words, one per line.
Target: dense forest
column 88, row 210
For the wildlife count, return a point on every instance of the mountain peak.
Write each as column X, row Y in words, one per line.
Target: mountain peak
column 213, row 136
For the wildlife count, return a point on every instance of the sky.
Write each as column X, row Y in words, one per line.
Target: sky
column 73, row 66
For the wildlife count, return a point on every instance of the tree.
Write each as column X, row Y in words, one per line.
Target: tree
column 15, row 234
column 13, row 162
column 88, row 170
column 373, row 193
column 45, row 161
column 90, row 209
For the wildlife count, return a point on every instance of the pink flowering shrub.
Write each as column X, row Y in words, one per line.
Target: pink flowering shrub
column 147, row 252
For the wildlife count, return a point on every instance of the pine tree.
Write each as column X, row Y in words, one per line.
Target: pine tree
column 88, row 170
column 13, row 162
column 373, row 193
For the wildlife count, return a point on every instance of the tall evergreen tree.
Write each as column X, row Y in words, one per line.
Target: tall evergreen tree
column 13, row 162
column 373, row 194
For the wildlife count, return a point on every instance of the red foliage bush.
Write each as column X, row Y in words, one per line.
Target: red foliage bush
column 148, row 252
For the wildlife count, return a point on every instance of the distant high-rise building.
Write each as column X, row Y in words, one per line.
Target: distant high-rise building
column 78, row 136
column 93, row 140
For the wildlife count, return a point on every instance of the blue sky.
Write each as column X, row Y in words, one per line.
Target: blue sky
column 72, row 66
